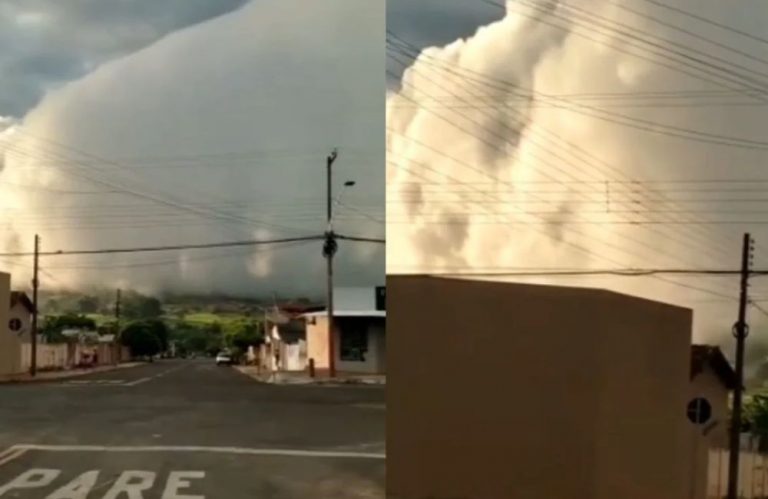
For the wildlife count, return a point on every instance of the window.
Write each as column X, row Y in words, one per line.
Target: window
column 354, row 343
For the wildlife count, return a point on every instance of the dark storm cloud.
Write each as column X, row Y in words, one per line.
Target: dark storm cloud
column 44, row 43
column 435, row 22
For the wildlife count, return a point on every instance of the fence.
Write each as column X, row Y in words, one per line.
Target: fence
column 58, row 356
column 753, row 475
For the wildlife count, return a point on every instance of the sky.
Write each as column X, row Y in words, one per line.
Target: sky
column 595, row 134
column 187, row 122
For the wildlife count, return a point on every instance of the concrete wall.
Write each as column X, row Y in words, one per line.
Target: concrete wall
column 55, row 356
column 10, row 344
column 753, row 475
column 504, row 391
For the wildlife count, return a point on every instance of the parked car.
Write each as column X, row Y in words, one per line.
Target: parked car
column 224, row 359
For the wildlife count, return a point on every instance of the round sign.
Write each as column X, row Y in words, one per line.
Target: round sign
column 699, row 410
column 15, row 324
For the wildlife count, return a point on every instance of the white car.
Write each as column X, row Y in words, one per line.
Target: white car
column 223, row 358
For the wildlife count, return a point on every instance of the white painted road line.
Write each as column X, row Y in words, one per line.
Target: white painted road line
column 9, row 450
column 14, row 453
column 202, row 449
column 149, row 378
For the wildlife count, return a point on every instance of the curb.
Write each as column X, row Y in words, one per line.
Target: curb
column 265, row 379
column 69, row 375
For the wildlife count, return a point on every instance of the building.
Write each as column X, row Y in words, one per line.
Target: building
column 359, row 332
column 712, row 379
column 20, row 319
column 503, row 391
column 285, row 344
column 10, row 342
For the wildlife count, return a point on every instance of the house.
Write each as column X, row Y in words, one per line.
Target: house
column 712, row 379
column 359, row 332
column 286, row 340
column 509, row 390
column 20, row 315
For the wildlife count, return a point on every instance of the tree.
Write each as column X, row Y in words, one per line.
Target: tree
column 192, row 339
column 108, row 327
column 160, row 330
column 88, row 305
column 138, row 306
column 243, row 334
column 755, row 418
column 140, row 338
column 53, row 325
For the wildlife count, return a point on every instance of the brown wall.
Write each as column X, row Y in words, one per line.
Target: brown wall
column 504, row 391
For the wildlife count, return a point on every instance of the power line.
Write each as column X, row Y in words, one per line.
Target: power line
column 146, row 249
column 596, row 272
column 362, row 239
column 576, row 147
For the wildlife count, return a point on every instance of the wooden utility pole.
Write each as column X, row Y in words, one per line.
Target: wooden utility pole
column 117, row 312
column 740, row 331
column 329, row 250
column 35, row 285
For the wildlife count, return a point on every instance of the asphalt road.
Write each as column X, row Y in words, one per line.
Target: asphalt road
column 189, row 430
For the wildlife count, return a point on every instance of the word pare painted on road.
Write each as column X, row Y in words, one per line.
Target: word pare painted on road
column 129, row 484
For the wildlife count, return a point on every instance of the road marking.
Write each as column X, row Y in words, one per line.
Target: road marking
column 202, row 449
column 132, row 483
column 91, row 382
column 11, row 454
column 160, row 375
column 31, row 479
column 7, row 451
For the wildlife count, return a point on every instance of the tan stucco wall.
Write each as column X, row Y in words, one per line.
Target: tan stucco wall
column 317, row 347
column 503, row 391
column 10, row 345
column 317, row 342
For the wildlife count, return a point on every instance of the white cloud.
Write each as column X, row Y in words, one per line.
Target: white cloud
column 490, row 155
column 232, row 117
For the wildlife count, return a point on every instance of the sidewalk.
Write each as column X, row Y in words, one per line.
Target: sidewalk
column 63, row 374
column 302, row 378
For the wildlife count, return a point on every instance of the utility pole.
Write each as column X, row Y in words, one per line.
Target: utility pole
column 740, row 331
column 117, row 312
column 35, row 285
column 329, row 250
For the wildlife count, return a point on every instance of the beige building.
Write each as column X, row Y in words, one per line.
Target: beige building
column 360, row 345
column 505, row 391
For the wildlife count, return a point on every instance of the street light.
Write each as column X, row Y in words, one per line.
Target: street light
column 329, row 250
column 337, row 201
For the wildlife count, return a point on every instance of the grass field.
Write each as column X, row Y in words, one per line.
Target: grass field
column 196, row 319
column 206, row 318
column 100, row 319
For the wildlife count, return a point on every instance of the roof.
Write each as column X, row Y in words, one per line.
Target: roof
column 534, row 289
column 349, row 313
column 702, row 355
column 22, row 298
